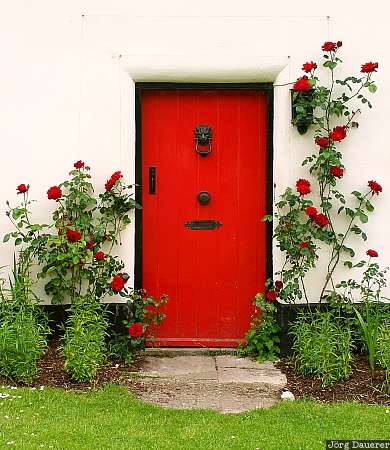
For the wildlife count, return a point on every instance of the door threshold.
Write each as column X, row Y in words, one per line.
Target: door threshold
column 188, row 351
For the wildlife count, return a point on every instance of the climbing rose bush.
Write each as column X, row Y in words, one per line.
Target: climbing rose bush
column 306, row 216
column 75, row 252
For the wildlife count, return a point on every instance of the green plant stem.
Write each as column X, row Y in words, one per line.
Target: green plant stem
column 336, row 256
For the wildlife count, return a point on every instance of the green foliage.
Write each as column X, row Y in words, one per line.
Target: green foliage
column 383, row 356
column 83, row 345
column 262, row 339
column 322, row 346
column 141, row 309
column 370, row 313
column 369, row 324
column 23, row 328
column 22, row 343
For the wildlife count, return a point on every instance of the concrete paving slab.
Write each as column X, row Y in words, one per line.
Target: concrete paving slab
column 266, row 376
column 189, row 367
column 233, row 361
column 204, row 395
column 266, row 365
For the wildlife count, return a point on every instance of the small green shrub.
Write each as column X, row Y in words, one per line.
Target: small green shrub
column 384, row 350
column 22, row 343
column 322, row 346
column 83, row 345
column 369, row 318
column 23, row 327
column 262, row 339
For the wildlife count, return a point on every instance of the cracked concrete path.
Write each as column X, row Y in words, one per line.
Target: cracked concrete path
column 224, row 383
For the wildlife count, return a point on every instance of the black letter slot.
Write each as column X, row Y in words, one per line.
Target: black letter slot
column 203, row 224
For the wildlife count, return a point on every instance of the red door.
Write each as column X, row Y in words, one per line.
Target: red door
column 210, row 274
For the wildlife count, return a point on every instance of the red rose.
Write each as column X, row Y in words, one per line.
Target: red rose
column 309, row 66
column 338, row 133
column 369, row 67
column 109, row 184
column 311, row 212
column 302, row 85
column 136, row 330
column 78, row 164
column 117, row 283
column 321, row 220
column 278, row 285
column 99, row 255
column 372, row 253
column 113, row 179
column 116, row 175
column 336, row 171
column 331, row 46
column 22, row 188
column 375, row 187
column 339, row 44
column 303, row 245
column 54, row 193
column 303, row 186
column 90, row 244
column 271, row 296
column 322, row 141
column 72, row 235
column 124, row 276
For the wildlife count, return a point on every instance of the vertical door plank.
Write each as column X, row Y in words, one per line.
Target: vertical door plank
column 228, row 151
column 188, row 277
column 208, row 241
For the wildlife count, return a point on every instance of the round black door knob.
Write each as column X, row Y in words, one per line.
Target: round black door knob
column 204, row 198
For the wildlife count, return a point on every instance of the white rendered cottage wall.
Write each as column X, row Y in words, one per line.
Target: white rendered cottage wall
column 68, row 73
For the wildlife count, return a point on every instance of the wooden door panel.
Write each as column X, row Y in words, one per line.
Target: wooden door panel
column 210, row 276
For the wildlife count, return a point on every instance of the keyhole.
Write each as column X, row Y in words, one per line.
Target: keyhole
column 204, row 198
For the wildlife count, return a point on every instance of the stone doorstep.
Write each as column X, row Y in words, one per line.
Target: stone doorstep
column 189, row 351
column 223, row 382
column 199, row 376
column 267, row 378
column 179, row 365
column 184, row 364
column 225, row 369
column 252, row 376
column 228, row 379
column 220, row 369
column 225, row 361
column 222, row 397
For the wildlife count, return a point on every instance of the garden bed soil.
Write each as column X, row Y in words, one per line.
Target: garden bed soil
column 360, row 386
column 52, row 373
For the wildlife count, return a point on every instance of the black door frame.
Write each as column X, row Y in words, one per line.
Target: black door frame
column 147, row 86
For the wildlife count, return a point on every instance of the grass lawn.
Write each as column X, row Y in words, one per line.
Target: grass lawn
column 112, row 419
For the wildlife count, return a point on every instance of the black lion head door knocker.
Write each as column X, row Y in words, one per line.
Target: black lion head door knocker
column 203, row 135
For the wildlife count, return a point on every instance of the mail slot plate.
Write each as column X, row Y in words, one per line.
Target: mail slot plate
column 203, row 224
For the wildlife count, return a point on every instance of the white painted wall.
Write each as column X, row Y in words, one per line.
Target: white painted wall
column 68, row 71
